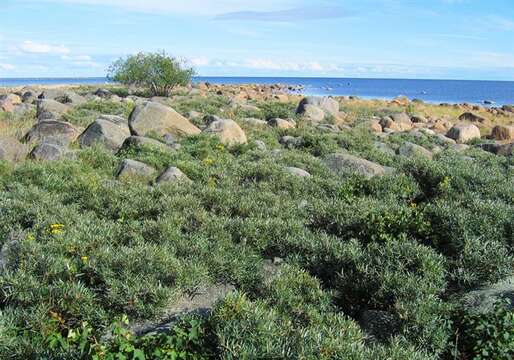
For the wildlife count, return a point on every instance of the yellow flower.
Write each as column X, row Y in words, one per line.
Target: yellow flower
column 208, row 161
column 56, row 229
column 84, row 259
column 220, row 147
column 31, row 237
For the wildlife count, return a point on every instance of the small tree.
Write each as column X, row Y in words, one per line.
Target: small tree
column 157, row 72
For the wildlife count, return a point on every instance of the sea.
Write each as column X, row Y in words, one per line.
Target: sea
column 493, row 93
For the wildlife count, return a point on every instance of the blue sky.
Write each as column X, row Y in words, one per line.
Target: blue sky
column 458, row 39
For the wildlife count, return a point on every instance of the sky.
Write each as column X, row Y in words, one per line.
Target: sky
column 433, row 39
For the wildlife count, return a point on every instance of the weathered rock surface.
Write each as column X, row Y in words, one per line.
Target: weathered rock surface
column 50, row 109
column 132, row 168
column 483, row 300
column 498, row 148
column 48, row 152
column 298, row 172
column 281, row 123
column 52, row 131
column 409, row 149
column 462, row 133
column 11, row 149
column 472, row 117
column 152, row 117
column 106, row 133
column 342, row 163
column 327, row 104
column 503, row 132
column 228, row 132
column 172, row 174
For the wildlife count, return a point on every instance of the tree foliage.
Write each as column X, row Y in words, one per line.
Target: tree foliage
column 157, row 72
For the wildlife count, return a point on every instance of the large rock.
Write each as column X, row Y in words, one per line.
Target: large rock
column 409, row 149
column 281, row 123
column 152, row 117
column 141, row 141
column 6, row 105
column 343, row 163
column 52, row 131
column 118, row 120
column 503, row 132
column 498, row 148
column 472, row 117
column 298, row 172
column 12, row 98
column 132, row 168
column 172, row 174
column 106, row 133
column 63, row 96
column 462, row 133
column 50, row 109
column 483, row 300
column 312, row 114
column 228, row 132
column 11, row 149
column 48, row 152
column 326, row 104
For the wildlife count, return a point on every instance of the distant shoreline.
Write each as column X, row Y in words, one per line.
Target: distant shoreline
column 482, row 92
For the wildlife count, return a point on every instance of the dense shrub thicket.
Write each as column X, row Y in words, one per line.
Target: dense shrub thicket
column 81, row 250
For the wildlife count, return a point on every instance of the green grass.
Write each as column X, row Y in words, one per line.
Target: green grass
column 91, row 250
column 83, row 115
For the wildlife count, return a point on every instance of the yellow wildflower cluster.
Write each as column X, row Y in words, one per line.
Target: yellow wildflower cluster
column 220, row 147
column 208, row 161
column 56, row 229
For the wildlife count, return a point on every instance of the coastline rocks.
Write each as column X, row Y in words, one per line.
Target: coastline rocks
column 314, row 109
column 48, row 152
column 472, row 117
column 11, row 149
column 281, row 123
column 228, row 132
column 152, row 117
column 342, row 163
column 50, row 109
column 52, row 131
column 502, row 132
column 172, row 174
column 132, row 168
column 463, row 133
column 105, row 132
column 409, row 149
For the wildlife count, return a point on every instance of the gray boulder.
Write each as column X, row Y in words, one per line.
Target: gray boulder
column 52, row 131
column 172, row 174
column 11, row 149
column 132, row 168
column 106, row 133
column 48, row 152
column 472, row 117
column 50, row 109
column 227, row 131
column 463, row 133
column 343, row 163
column 483, row 300
column 327, row 104
column 498, row 148
column 298, row 172
column 116, row 119
column 409, row 149
column 281, row 123
column 152, row 117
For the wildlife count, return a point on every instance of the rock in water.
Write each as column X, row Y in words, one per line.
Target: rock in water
column 106, row 133
column 228, row 132
column 154, row 118
column 462, row 133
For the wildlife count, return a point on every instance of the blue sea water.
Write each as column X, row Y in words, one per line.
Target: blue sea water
column 437, row 91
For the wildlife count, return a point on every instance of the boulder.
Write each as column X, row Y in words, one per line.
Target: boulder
column 50, row 109
column 388, row 123
column 172, row 174
column 327, row 104
column 132, row 168
column 498, row 148
column 462, row 133
column 29, row 97
column 254, row 122
column 419, row 119
column 11, row 149
column 103, row 93
column 62, row 96
column 409, row 149
column 386, row 149
column 6, row 105
column 291, row 142
column 52, row 131
column 48, row 152
column 9, row 252
column 503, row 132
column 281, row 123
column 298, row 172
column 140, row 141
column 152, row 117
column 106, row 133
column 403, row 121
column 342, row 163
column 313, row 114
column 482, row 300
column 116, row 119
column 259, row 144
column 472, row 117
column 374, row 126
column 13, row 98
column 228, row 132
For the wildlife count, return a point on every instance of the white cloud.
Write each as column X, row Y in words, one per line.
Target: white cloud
column 32, row 47
column 7, row 66
column 77, row 57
